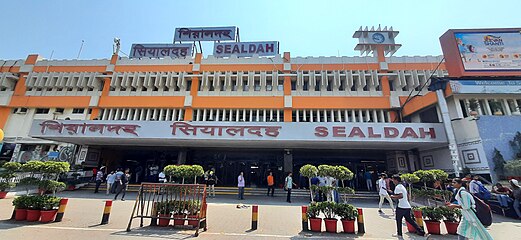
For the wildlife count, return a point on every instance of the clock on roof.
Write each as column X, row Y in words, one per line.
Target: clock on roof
column 378, row 38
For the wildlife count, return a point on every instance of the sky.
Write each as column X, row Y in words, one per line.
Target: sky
column 304, row 28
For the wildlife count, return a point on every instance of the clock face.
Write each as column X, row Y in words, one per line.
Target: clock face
column 378, row 38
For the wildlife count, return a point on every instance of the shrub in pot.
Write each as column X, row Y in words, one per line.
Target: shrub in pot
column 452, row 218
column 313, row 212
column 433, row 217
column 49, row 207
column 309, row 171
column 195, row 171
column 9, row 168
column 20, row 205
column 347, row 213
column 329, row 210
column 193, row 212
column 164, row 209
column 51, row 186
column 34, row 204
column 179, row 208
column 4, row 188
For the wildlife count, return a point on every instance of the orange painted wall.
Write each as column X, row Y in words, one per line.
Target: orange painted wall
column 415, row 66
column 141, row 102
column 4, row 114
column 153, row 68
column 340, row 102
column 333, row 67
column 418, row 103
column 241, row 67
column 238, row 102
column 50, row 101
column 70, row 69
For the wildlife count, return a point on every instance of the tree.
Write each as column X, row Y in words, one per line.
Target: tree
column 425, row 176
column 196, row 171
column 309, row 171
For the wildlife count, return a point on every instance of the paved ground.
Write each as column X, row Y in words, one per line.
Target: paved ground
column 277, row 220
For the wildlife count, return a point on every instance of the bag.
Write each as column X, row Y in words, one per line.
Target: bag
column 482, row 211
column 485, row 193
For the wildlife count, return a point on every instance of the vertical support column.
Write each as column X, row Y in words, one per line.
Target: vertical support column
column 288, row 161
column 181, row 157
column 254, row 217
column 453, row 147
column 507, row 107
column 61, row 209
column 360, row 218
column 288, row 112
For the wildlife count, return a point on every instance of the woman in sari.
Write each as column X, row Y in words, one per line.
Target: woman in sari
column 470, row 227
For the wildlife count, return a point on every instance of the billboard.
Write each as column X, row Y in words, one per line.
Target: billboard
column 161, row 50
column 490, row 51
column 246, row 49
column 205, row 34
column 482, row 52
column 485, row 86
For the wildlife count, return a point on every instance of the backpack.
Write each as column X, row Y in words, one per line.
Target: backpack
column 482, row 211
column 485, row 193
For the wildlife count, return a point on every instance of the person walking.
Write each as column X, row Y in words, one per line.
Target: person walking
column 383, row 192
column 117, row 180
column 240, row 185
column 122, row 185
column 271, row 185
column 288, row 185
column 516, row 192
column 212, row 180
column 111, row 178
column 469, row 227
column 368, row 180
column 404, row 207
column 99, row 179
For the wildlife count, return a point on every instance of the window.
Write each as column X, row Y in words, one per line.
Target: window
column 78, row 110
column 59, row 110
column 42, row 111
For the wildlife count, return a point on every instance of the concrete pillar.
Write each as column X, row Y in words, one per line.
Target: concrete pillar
column 288, row 161
column 507, row 107
column 181, row 157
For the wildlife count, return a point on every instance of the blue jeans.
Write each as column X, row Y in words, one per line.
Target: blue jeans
column 241, row 192
column 516, row 207
column 503, row 200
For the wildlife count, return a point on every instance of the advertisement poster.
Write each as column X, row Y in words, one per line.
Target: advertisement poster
column 493, row 51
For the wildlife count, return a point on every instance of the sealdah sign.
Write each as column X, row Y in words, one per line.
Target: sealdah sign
column 369, row 132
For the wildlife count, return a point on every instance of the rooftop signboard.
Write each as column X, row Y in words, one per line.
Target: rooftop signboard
column 205, row 34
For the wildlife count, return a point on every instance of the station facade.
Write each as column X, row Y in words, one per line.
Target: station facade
column 253, row 114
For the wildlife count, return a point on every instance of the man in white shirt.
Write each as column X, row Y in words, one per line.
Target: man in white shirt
column 404, row 207
column 383, row 188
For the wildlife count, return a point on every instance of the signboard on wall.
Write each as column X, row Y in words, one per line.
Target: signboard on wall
column 161, row 50
column 490, row 50
column 482, row 52
column 205, row 34
column 246, row 49
column 485, row 86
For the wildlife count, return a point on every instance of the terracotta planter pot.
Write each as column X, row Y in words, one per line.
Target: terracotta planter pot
column 315, row 224
column 348, row 226
column 164, row 222
column 452, row 227
column 47, row 216
column 179, row 222
column 193, row 223
column 331, row 225
column 410, row 228
column 33, row 215
column 20, row 214
column 3, row 194
column 433, row 227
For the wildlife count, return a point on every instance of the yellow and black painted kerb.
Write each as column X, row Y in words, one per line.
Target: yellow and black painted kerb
column 14, row 214
column 61, row 209
column 305, row 218
column 106, row 212
column 254, row 216
column 153, row 222
column 361, row 227
column 418, row 217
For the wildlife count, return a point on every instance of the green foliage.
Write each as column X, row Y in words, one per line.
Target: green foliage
column 451, row 215
column 12, row 166
column 52, row 167
column 32, row 166
column 410, row 178
column 326, row 170
column 341, row 173
column 346, row 211
column 36, row 202
column 425, row 175
column 166, row 207
column 328, row 208
column 193, row 207
column 346, row 190
column 439, row 175
column 184, row 171
column 28, row 181
column 308, row 171
column 432, row 213
column 49, row 203
column 171, row 170
column 21, row 202
column 196, row 171
column 314, row 210
column 513, row 168
column 6, row 185
column 51, row 185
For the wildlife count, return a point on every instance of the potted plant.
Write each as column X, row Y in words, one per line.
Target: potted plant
column 313, row 213
column 347, row 214
column 309, row 171
column 196, row 171
column 193, row 208
column 49, row 207
column 329, row 210
column 171, row 171
column 9, row 168
column 20, row 207
column 410, row 179
column 425, row 176
column 179, row 208
column 452, row 218
column 164, row 211
column 183, row 171
column 51, row 186
column 433, row 217
column 34, row 204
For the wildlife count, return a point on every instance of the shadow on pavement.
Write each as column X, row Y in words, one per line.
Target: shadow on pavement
column 158, row 232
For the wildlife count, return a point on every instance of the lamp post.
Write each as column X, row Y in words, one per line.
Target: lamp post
column 439, row 85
